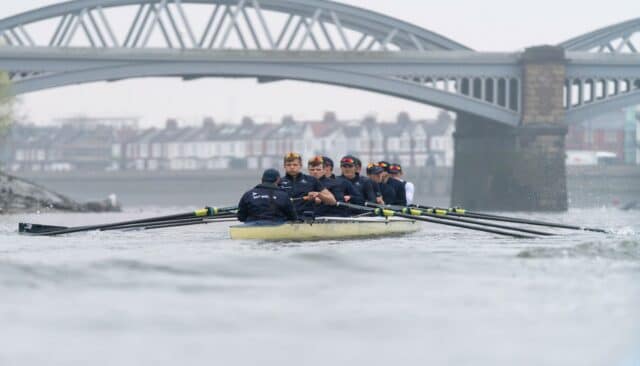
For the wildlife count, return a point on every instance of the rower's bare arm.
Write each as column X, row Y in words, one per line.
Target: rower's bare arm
column 327, row 197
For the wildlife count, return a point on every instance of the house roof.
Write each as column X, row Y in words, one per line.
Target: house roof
column 287, row 130
column 324, row 129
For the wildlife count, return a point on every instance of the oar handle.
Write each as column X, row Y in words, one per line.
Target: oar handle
column 214, row 211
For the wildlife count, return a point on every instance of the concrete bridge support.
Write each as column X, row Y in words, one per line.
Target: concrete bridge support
column 523, row 168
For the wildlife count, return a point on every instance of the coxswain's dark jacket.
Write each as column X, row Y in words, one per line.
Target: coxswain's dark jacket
column 298, row 187
column 364, row 186
column 266, row 202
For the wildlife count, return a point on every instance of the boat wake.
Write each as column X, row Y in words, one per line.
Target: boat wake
column 619, row 250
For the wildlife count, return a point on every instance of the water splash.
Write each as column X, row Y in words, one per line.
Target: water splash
column 617, row 250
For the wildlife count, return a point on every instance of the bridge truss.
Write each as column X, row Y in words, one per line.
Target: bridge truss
column 92, row 40
column 320, row 41
column 604, row 74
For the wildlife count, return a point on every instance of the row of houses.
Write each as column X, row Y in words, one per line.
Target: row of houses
column 612, row 138
column 249, row 144
column 112, row 144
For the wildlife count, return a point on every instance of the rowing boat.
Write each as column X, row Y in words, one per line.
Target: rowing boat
column 326, row 228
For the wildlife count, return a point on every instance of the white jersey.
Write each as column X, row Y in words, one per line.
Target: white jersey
column 409, row 190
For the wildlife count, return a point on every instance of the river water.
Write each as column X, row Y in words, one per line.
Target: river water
column 443, row 296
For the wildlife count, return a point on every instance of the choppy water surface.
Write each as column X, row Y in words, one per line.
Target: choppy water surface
column 442, row 296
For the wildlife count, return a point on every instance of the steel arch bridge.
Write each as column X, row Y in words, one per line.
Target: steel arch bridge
column 320, row 41
column 604, row 74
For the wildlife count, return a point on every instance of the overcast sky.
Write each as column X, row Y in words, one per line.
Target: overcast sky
column 487, row 25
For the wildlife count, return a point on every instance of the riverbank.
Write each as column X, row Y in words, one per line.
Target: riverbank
column 19, row 195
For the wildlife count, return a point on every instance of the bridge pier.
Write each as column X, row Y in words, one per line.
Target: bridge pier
column 520, row 168
column 508, row 169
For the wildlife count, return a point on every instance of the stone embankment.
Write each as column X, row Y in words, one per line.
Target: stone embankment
column 18, row 195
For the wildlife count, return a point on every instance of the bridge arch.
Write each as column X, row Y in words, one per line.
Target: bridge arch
column 304, row 31
column 623, row 37
column 308, row 25
column 363, row 81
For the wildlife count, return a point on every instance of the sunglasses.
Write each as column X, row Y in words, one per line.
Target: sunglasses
column 347, row 165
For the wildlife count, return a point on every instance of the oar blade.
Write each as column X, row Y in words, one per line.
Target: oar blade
column 28, row 228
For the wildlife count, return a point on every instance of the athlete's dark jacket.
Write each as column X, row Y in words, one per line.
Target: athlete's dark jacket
column 298, row 187
column 376, row 188
column 266, row 202
column 339, row 187
column 364, row 186
column 388, row 193
column 393, row 192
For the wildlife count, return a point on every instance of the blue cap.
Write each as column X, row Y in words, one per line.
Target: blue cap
column 270, row 176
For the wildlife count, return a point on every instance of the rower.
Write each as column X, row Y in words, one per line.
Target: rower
column 374, row 172
column 395, row 170
column 316, row 168
column 303, row 189
column 266, row 202
column 392, row 190
column 362, row 184
column 328, row 167
column 351, row 193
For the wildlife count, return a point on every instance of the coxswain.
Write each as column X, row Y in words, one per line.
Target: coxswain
column 362, row 184
column 395, row 170
column 266, row 202
column 303, row 189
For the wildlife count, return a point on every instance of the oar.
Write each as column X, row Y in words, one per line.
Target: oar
column 388, row 212
column 52, row 230
column 179, row 222
column 460, row 212
column 444, row 215
column 199, row 222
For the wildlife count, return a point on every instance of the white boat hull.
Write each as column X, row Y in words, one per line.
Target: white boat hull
column 326, row 228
